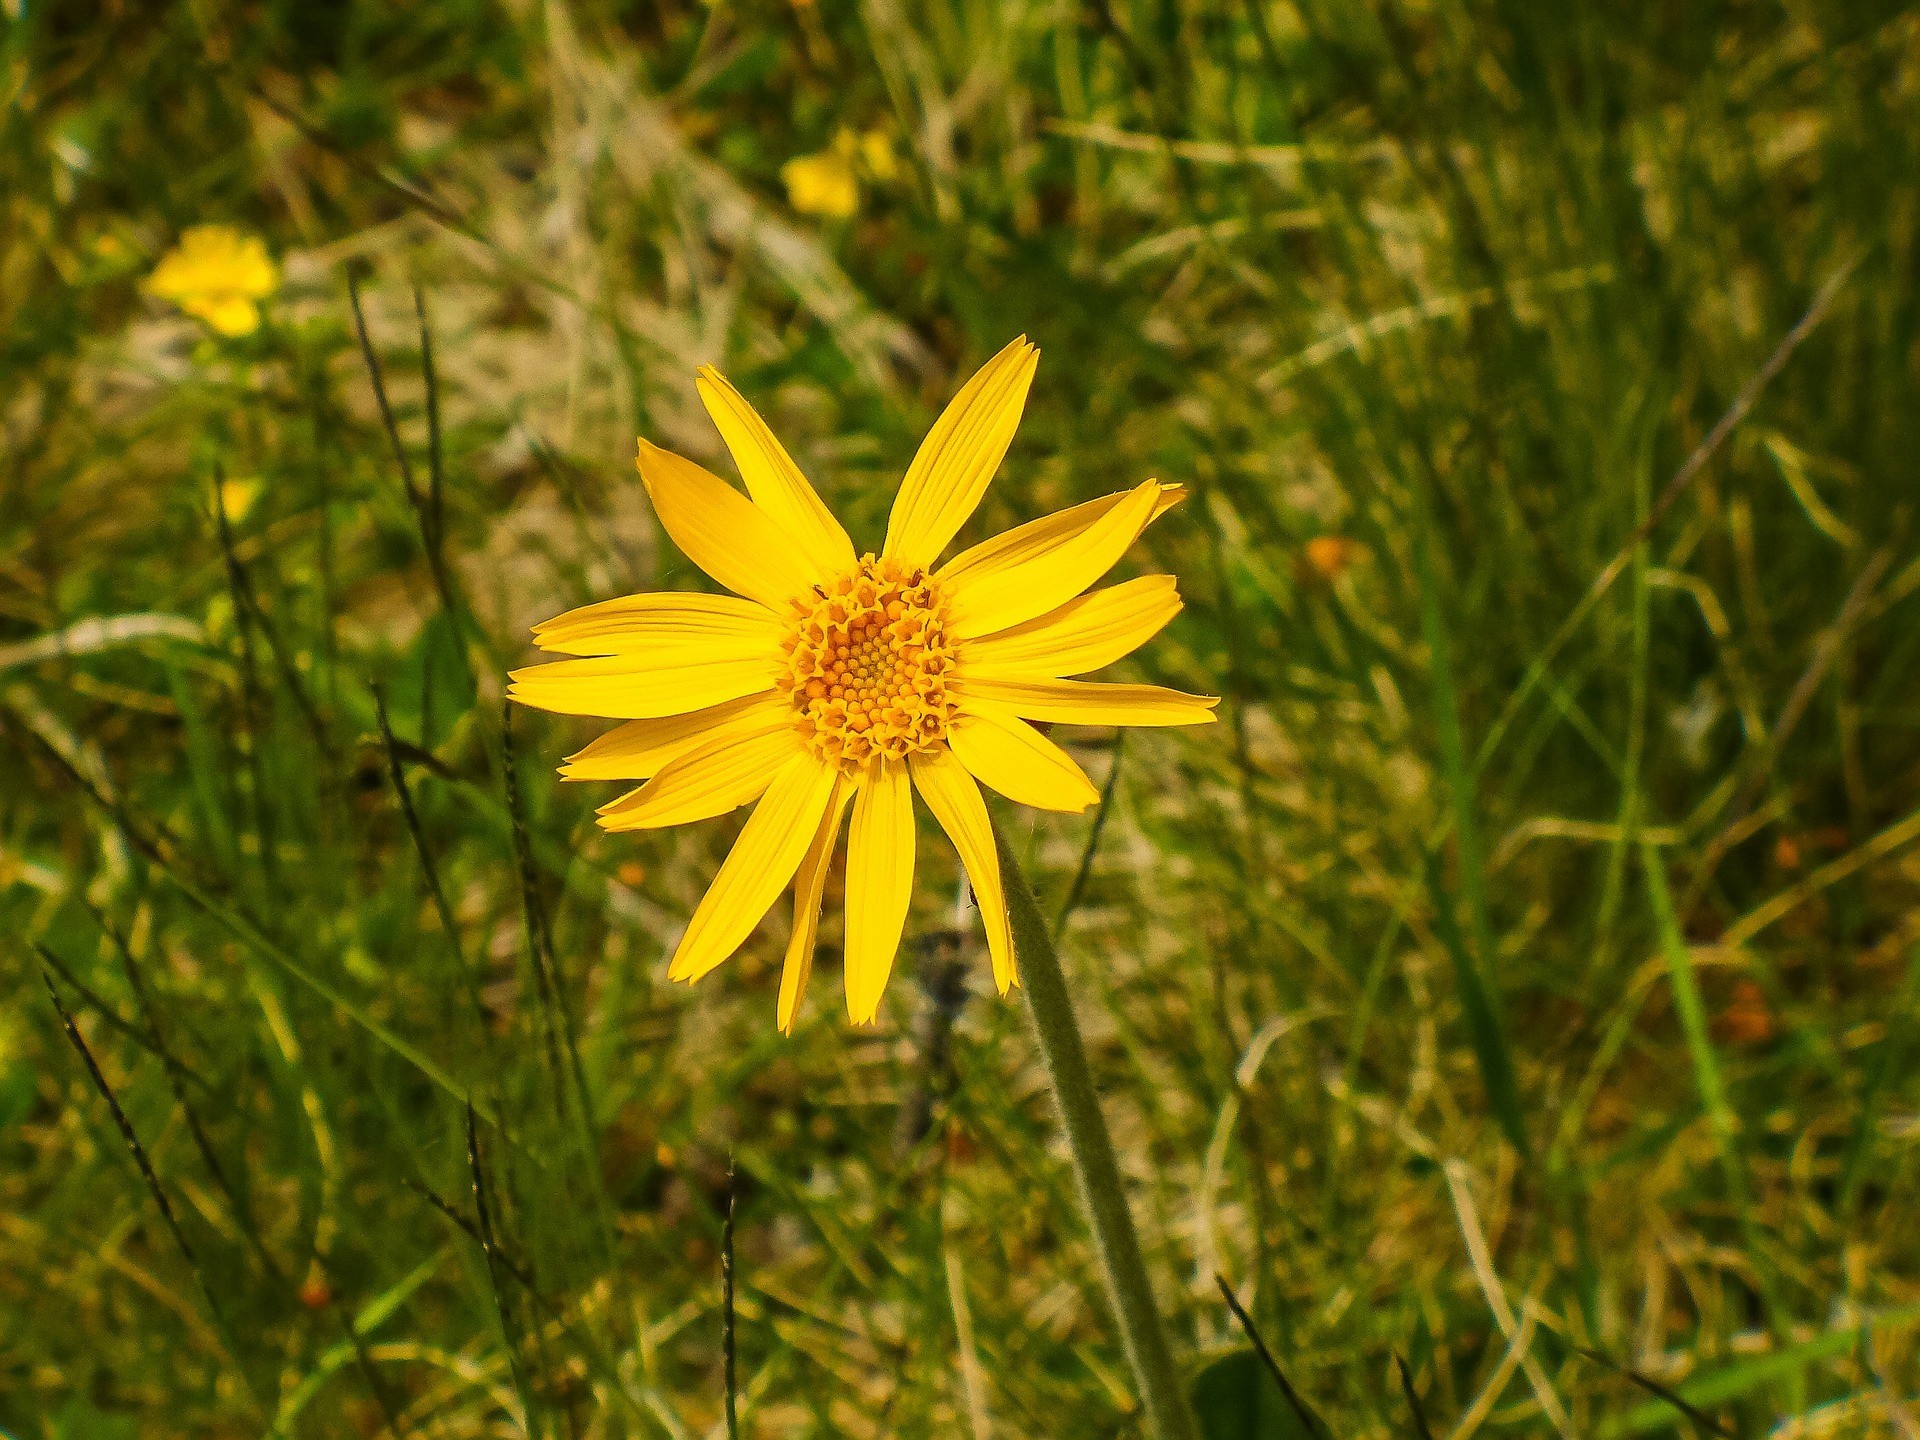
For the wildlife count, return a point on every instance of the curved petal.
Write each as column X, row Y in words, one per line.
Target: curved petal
column 954, row 798
column 719, row 775
column 626, row 687
column 1005, row 752
column 637, row 749
column 879, row 883
column 662, row 619
column 993, row 599
column 1037, row 537
column 773, row 480
column 758, row 868
column 957, row 460
column 1079, row 702
column 807, row 886
column 1076, row 637
column 723, row 532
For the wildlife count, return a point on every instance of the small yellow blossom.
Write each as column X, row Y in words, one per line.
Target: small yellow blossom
column 237, row 497
column 218, row 275
column 876, row 153
column 823, row 184
column 828, row 183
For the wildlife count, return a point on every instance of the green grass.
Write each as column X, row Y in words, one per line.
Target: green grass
column 1563, row 838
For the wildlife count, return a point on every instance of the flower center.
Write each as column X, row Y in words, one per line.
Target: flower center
column 867, row 664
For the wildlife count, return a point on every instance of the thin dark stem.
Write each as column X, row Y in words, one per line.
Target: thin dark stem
column 726, row 1309
column 144, row 1039
column 1308, row 1420
column 177, row 1075
column 435, row 889
column 433, row 518
column 509, row 1332
column 154, row 1188
column 1701, row 1421
column 252, row 698
column 539, row 935
column 422, row 513
column 1413, row 1400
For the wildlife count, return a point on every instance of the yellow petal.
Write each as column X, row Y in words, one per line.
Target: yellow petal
column 761, row 863
column 230, row 315
column 807, row 886
column 632, row 624
column 1037, row 537
column 723, row 532
column 639, row 748
column 716, row 776
column 993, row 598
column 879, row 884
column 773, row 480
column 627, row 687
column 1076, row 637
column 1079, row 702
column 1007, row 753
column 822, row 184
column 959, row 456
column 954, row 798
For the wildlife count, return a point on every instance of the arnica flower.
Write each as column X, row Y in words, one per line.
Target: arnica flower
column 828, row 183
column 832, row 679
column 218, row 275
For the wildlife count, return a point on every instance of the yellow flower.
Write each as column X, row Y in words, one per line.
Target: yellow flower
column 876, row 153
column 844, row 679
column 823, row 184
column 217, row 274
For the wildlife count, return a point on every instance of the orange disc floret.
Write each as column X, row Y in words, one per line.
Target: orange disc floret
column 868, row 663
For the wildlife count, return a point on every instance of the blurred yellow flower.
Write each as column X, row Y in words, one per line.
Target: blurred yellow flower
column 828, row 182
column 876, row 153
column 218, row 275
column 822, row 184
column 237, row 497
column 844, row 680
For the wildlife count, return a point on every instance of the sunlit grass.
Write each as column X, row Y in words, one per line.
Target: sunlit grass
column 1526, row 966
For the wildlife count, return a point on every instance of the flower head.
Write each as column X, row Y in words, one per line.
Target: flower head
column 828, row 182
column 218, row 275
column 832, row 679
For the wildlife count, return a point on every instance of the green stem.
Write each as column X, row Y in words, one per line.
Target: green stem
column 1141, row 1331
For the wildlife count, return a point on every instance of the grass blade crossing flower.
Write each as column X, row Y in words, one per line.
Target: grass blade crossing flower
column 834, row 681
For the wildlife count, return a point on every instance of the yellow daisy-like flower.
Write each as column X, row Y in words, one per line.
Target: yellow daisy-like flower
column 836, row 678
column 218, row 275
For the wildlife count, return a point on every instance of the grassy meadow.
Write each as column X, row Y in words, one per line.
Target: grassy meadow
column 1521, row 983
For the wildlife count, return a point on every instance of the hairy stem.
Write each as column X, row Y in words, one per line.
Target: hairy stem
column 1141, row 1330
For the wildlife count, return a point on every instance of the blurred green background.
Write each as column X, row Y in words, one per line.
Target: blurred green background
column 1524, row 973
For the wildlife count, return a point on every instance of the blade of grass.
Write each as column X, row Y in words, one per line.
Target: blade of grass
column 154, row 1188
column 1309, row 1421
column 1683, row 478
column 1706, row 1073
column 1484, row 1027
column 509, row 1329
column 1420, row 1426
column 1701, row 1421
column 429, row 869
column 177, row 1073
column 255, row 940
column 1744, row 1376
column 1894, row 1050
